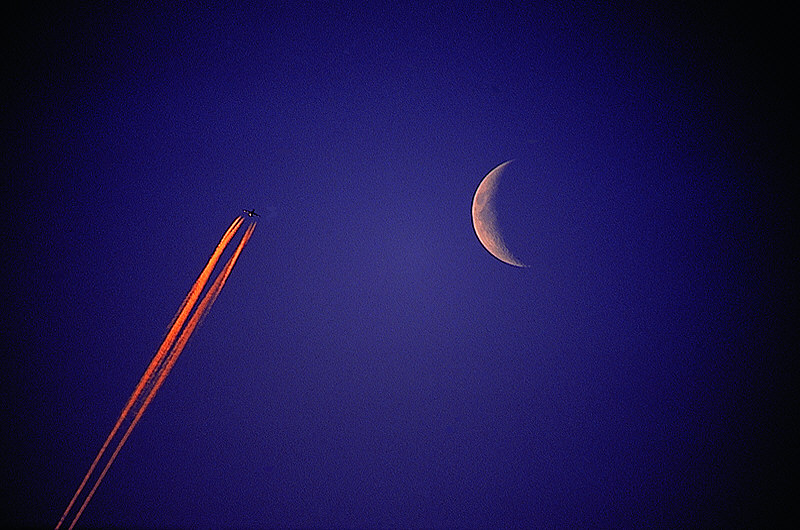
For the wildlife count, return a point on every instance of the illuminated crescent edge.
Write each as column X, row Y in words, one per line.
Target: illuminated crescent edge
column 484, row 218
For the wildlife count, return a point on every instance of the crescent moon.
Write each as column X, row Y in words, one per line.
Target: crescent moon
column 484, row 218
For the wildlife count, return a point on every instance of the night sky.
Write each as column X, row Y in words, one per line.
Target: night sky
column 369, row 363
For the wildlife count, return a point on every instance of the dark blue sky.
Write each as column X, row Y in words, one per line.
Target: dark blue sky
column 368, row 363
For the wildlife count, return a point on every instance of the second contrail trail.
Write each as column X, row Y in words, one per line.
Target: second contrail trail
column 165, row 358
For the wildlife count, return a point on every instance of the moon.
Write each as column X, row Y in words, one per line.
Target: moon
column 484, row 217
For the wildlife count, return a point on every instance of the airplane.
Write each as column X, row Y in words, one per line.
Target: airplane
column 251, row 213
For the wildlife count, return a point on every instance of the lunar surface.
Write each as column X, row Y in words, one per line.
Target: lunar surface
column 484, row 217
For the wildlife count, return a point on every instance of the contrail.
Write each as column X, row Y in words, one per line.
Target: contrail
column 177, row 323
column 161, row 364
column 216, row 287
column 197, row 288
column 198, row 315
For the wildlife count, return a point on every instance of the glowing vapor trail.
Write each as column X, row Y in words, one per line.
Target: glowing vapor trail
column 177, row 323
column 194, row 292
column 177, row 348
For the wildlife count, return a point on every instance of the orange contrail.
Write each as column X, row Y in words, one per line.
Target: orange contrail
column 167, row 362
column 194, row 294
column 175, row 352
column 177, row 322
